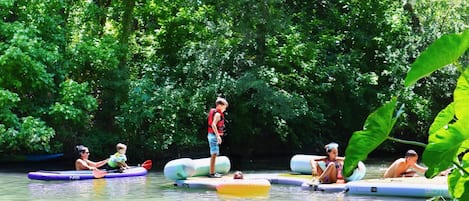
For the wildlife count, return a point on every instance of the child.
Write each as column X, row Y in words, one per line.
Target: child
column 238, row 175
column 118, row 160
column 332, row 165
column 216, row 124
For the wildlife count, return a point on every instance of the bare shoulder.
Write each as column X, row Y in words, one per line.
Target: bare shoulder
column 400, row 160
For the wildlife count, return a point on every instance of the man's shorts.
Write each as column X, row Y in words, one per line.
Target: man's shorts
column 213, row 143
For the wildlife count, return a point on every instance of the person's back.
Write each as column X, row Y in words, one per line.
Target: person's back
column 396, row 169
column 401, row 166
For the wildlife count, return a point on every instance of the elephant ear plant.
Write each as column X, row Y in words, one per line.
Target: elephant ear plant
column 448, row 136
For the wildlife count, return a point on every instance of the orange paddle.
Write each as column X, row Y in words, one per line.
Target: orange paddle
column 147, row 164
column 99, row 173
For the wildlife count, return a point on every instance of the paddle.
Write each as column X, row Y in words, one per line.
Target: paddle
column 147, row 164
column 99, row 173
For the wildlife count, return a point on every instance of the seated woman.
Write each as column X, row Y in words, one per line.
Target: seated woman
column 329, row 168
column 83, row 163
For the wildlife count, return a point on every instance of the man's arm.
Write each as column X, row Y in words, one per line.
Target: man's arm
column 419, row 168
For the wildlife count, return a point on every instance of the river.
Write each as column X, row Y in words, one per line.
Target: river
column 154, row 186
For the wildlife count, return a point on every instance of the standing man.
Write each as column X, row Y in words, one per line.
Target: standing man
column 216, row 125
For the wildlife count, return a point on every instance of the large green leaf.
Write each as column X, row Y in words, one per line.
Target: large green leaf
column 443, row 147
column 459, row 183
column 464, row 146
column 377, row 127
column 461, row 96
column 443, row 118
column 440, row 53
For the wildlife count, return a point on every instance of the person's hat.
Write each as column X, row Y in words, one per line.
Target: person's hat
column 331, row 146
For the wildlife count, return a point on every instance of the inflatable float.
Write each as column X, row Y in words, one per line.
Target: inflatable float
column 184, row 168
column 84, row 174
column 300, row 180
column 420, row 187
column 228, row 185
column 301, row 163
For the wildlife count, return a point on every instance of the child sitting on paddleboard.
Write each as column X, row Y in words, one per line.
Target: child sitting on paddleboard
column 329, row 168
column 118, row 160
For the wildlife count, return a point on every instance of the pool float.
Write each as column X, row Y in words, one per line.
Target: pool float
column 301, row 180
column 301, row 163
column 183, row 168
column 84, row 174
column 403, row 186
column 179, row 169
column 243, row 187
column 228, row 185
column 133, row 171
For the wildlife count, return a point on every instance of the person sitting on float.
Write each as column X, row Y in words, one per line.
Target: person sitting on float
column 329, row 168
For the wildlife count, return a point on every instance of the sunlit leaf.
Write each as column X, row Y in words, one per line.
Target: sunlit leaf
column 442, row 119
column 440, row 53
column 443, row 147
column 377, row 127
column 459, row 183
column 464, row 146
column 461, row 96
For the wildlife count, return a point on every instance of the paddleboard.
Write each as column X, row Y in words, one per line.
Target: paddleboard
column 402, row 186
column 300, row 180
column 83, row 174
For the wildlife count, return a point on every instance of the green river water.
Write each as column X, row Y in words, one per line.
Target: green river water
column 154, row 186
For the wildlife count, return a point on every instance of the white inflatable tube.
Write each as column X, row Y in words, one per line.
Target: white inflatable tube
column 183, row 168
column 202, row 166
column 301, row 163
column 179, row 169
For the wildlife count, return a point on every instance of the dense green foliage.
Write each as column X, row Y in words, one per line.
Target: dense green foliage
column 297, row 74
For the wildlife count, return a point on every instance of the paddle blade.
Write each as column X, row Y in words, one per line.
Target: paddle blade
column 99, row 173
column 147, row 164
